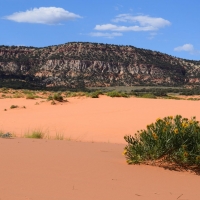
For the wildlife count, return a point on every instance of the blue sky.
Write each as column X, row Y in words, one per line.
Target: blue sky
column 168, row 26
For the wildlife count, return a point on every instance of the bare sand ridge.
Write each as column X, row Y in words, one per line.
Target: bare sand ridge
column 68, row 170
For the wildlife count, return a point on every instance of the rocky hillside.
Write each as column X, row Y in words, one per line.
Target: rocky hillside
column 77, row 65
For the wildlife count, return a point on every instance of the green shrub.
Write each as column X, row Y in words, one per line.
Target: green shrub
column 172, row 140
column 75, row 94
column 59, row 136
column 172, row 97
column 94, row 94
column 147, row 95
column 58, row 97
column 49, row 98
column 37, row 134
column 117, row 94
column 17, row 95
column 13, row 106
column 30, row 96
column 193, row 99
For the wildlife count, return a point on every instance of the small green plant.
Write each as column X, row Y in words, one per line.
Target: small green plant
column 193, row 99
column 117, row 94
column 30, row 96
column 4, row 90
column 49, row 98
column 172, row 97
column 94, row 94
column 58, row 97
column 13, row 106
column 59, row 136
column 168, row 140
column 17, row 95
column 37, row 134
column 75, row 94
column 147, row 95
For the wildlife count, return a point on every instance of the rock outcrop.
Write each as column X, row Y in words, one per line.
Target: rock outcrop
column 91, row 64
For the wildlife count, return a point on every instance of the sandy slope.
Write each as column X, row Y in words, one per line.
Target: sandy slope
column 68, row 170
column 104, row 120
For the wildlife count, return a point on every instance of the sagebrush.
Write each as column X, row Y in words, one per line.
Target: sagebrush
column 171, row 139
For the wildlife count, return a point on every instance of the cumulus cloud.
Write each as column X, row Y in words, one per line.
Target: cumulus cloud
column 185, row 47
column 141, row 23
column 188, row 48
column 43, row 15
column 143, row 20
column 107, row 35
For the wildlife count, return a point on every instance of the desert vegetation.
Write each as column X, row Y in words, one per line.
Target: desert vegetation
column 5, row 135
column 171, row 140
column 60, row 96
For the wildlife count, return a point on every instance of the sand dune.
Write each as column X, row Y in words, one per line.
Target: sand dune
column 62, row 170
column 85, row 119
column 93, row 167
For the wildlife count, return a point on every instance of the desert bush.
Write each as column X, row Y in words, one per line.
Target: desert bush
column 50, row 97
column 18, row 95
column 56, row 97
column 117, row 94
column 3, row 96
column 37, row 134
column 75, row 94
column 171, row 139
column 94, row 94
column 30, row 96
column 59, row 136
column 13, row 106
column 147, row 95
column 5, row 135
column 172, row 97
column 4, row 90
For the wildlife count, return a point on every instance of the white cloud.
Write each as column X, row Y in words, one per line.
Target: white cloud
column 185, row 47
column 107, row 35
column 43, row 15
column 141, row 23
column 112, row 27
column 188, row 48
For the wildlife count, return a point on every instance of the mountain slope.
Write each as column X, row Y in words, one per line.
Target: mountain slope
column 75, row 65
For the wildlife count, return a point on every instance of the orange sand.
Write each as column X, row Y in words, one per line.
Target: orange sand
column 68, row 170
column 85, row 119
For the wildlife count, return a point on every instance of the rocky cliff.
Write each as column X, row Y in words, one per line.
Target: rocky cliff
column 91, row 64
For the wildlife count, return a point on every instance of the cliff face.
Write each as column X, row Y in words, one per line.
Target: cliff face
column 91, row 64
